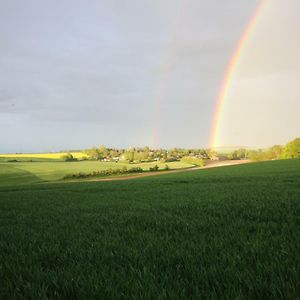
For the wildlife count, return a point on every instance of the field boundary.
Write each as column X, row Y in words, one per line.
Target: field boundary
column 148, row 174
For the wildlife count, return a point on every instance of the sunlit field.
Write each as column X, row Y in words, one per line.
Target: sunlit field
column 222, row 233
column 40, row 156
column 13, row 173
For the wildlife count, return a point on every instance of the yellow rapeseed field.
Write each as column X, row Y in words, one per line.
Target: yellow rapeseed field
column 57, row 155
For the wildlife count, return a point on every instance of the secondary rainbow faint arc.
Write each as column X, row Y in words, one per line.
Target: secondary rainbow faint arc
column 214, row 135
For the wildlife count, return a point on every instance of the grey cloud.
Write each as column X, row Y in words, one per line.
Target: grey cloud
column 102, row 66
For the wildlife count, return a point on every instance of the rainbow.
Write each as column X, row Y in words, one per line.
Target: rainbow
column 230, row 70
column 168, row 59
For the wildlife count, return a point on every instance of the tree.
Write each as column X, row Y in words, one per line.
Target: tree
column 146, row 151
column 233, row 155
column 129, row 155
column 114, row 153
column 173, row 153
column 241, row 153
column 275, row 152
column 68, row 157
column 93, row 152
column 211, row 153
column 103, row 151
column 292, row 149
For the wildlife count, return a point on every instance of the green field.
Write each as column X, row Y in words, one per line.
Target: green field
column 13, row 173
column 40, row 156
column 223, row 233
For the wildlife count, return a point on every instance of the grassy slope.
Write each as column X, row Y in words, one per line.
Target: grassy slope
column 229, row 232
column 39, row 171
column 11, row 174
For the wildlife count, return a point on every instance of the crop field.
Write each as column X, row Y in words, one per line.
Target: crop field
column 223, row 233
column 39, row 156
column 13, row 173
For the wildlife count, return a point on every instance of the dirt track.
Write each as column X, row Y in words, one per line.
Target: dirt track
column 211, row 164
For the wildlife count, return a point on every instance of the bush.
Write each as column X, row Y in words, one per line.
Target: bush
column 135, row 170
column 68, row 157
column 104, row 173
column 154, row 169
column 170, row 159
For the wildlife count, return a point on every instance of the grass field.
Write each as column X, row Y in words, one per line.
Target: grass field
column 13, row 173
column 223, row 233
column 40, row 156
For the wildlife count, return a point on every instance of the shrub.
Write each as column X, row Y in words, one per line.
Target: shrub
column 154, row 169
column 124, row 170
column 170, row 159
column 104, row 173
column 68, row 157
column 135, row 170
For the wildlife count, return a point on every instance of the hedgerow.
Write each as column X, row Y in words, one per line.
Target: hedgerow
column 104, row 173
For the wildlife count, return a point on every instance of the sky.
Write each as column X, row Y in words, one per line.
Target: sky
column 76, row 74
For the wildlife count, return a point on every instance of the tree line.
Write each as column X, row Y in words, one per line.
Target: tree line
column 194, row 156
column 144, row 154
column 290, row 150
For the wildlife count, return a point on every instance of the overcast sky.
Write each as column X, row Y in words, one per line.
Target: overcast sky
column 74, row 73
